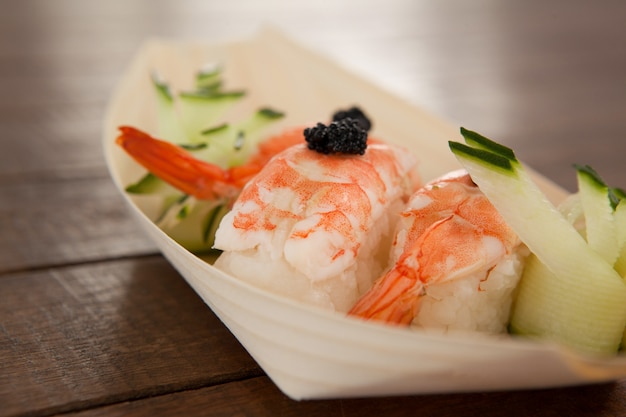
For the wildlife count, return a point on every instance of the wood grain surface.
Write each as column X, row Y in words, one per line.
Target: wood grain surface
column 94, row 322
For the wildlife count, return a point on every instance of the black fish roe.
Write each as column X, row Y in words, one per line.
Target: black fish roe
column 344, row 136
column 356, row 114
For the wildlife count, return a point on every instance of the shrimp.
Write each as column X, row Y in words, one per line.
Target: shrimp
column 308, row 221
column 203, row 180
column 448, row 232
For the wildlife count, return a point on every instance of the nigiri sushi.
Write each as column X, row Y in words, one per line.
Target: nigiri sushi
column 455, row 263
column 316, row 223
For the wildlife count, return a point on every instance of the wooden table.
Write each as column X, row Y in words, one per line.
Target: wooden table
column 94, row 322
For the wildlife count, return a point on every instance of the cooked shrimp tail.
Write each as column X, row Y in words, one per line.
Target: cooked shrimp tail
column 392, row 299
column 195, row 177
column 175, row 165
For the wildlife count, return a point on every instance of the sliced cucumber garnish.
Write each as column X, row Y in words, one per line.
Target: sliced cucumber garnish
column 569, row 293
column 148, row 184
column 202, row 109
column 209, row 78
column 168, row 122
column 193, row 120
column 598, row 210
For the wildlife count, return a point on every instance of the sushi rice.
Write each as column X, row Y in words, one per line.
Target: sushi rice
column 315, row 270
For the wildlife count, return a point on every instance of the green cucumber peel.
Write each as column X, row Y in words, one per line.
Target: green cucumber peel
column 182, row 213
column 208, row 89
column 193, row 146
column 182, row 117
column 270, row 114
column 250, row 132
column 620, row 226
column 172, row 205
column 214, row 130
column 200, row 111
column 212, row 95
column 482, row 156
column 232, row 144
column 583, row 299
column 212, row 222
column 162, row 88
column 616, row 195
column 148, row 184
column 169, row 127
column 209, row 78
column 591, row 174
column 598, row 210
column 192, row 223
column 476, row 140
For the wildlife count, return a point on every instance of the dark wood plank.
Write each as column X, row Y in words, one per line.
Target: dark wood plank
column 59, row 220
column 84, row 336
column 44, row 141
column 251, row 397
column 259, row 397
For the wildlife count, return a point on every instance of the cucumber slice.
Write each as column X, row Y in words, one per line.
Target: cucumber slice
column 211, row 223
column 168, row 123
column 183, row 119
column 231, row 145
column 148, row 184
column 598, row 211
column 173, row 203
column 192, row 223
column 209, row 78
column 250, row 132
column 620, row 226
column 572, row 210
column 478, row 141
column 201, row 109
column 574, row 296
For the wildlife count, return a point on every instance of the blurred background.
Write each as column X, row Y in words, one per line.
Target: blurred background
column 537, row 75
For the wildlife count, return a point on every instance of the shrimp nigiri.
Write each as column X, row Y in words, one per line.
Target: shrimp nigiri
column 201, row 192
column 455, row 262
column 316, row 224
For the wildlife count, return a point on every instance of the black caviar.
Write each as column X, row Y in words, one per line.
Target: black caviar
column 354, row 113
column 343, row 136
